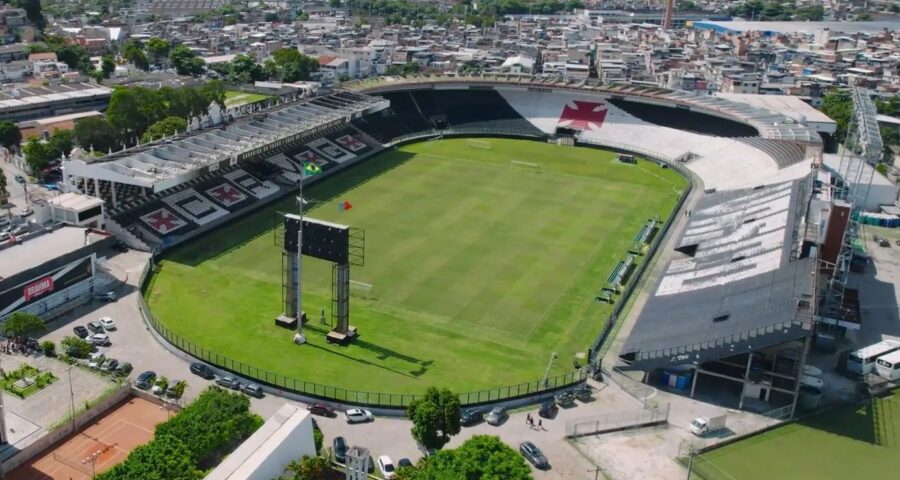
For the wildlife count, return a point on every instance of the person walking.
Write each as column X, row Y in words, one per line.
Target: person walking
column 540, row 424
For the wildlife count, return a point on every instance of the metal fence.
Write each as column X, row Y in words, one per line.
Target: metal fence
column 601, row 343
column 343, row 395
column 614, row 421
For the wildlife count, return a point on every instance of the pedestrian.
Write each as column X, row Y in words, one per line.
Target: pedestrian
column 528, row 419
column 540, row 424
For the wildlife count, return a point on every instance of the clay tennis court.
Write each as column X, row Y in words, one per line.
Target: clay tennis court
column 108, row 440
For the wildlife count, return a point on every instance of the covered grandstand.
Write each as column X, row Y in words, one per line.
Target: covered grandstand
column 162, row 193
column 735, row 301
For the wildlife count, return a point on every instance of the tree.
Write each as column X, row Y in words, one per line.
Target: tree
column 33, row 12
column 284, row 56
column 49, row 348
column 435, row 417
column 164, row 458
column 158, row 49
column 839, row 107
column 61, row 142
column 38, row 154
column 23, row 324
column 10, row 135
column 4, row 195
column 482, row 456
column 186, row 62
column 164, row 128
column 96, row 133
column 133, row 51
column 245, row 70
column 309, row 468
column 75, row 57
column 107, row 65
column 76, row 347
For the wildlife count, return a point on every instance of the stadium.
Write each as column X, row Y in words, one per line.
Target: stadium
column 498, row 229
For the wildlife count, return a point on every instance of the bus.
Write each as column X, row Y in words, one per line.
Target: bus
column 862, row 361
column 888, row 366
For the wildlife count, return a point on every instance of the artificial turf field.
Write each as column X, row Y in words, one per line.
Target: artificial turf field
column 481, row 268
column 854, row 442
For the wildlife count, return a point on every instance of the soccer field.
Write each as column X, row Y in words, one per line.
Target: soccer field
column 481, row 267
column 854, row 442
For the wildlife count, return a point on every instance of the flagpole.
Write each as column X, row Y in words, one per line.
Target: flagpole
column 300, row 263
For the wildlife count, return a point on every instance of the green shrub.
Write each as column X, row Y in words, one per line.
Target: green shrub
column 49, row 348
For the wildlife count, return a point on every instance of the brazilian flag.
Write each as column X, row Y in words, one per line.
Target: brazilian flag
column 312, row 168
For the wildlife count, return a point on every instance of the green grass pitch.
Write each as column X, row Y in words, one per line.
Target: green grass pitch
column 849, row 442
column 481, row 267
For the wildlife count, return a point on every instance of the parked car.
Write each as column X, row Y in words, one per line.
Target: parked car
column 95, row 326
column 253, row 390
column 321, row 409
column 99, row 339
column 4, row 236
column 565, row 399
column 19, row 230
column 145, row 380
column 81, row 332
column 386, row 467
column 96, row 360
column 27, row 211
column 109, row 296
column 404, row 462
column 357, row 415
column 471, row 416
column 496, row 416
column 548, row 408
column 108, row 323
column 583, row 393
column 109, row 365
column 229, row 382
column 124, row 369
column 534, row 455
column 203, row 370
column 339, row 446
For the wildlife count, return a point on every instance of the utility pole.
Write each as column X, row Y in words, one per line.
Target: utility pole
column 553, row 356
column 71, row 397
column 596, row 472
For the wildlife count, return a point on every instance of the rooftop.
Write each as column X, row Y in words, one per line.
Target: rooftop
column 36, row 251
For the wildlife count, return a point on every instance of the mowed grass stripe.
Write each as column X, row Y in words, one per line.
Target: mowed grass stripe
column 479, row 270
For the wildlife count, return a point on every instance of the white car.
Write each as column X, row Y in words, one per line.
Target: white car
column 811, row 381
column 97, row 360
column 358, row 415
column 99, row 339
column 108, row 323
column 386, row 466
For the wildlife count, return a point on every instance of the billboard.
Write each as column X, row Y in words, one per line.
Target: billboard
column 55, row 280
column 321, row 239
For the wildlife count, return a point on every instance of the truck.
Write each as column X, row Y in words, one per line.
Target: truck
column 701, row 426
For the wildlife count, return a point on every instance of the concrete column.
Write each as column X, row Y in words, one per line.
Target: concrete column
column 97, row 187
column 744, row 382
column 694, row 380
column 112, row 190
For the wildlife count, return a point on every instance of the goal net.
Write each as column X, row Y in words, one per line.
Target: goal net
column 482, row 144
column 523, row 164
column 360, row 289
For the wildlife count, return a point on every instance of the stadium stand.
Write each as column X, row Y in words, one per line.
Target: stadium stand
column 195, row 207
column 732, row 286
column 423, row 110
column 684, row 119
column 784, row 153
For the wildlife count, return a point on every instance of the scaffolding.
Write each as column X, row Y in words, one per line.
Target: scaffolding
column 861, row 152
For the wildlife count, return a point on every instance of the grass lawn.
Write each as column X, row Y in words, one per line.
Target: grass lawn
column 235, row 98
column 40, row 380
column 481, row 269
column 849, row 442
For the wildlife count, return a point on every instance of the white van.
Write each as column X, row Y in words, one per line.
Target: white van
column 862, row 361
column 888, row 366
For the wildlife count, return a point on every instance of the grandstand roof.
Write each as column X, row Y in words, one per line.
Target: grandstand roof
column 164, row 164
column 787, row 105
column 797, row 27
column 733, row 286
column 30, row 95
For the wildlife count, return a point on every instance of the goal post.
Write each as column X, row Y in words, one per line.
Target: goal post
column 482, row 144
column 522, row 164
column 360, row 289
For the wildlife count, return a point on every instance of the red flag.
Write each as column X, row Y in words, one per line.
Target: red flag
column 347, row 205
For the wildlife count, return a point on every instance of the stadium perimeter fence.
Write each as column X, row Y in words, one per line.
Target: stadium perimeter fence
column 534, row 389
column 342, row 395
